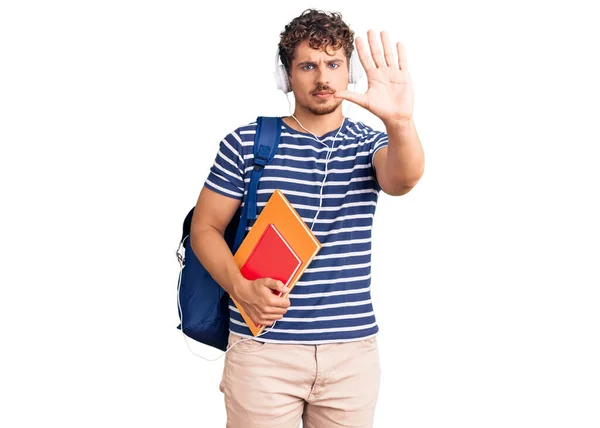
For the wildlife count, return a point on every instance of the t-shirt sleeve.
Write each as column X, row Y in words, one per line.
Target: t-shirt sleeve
column 379, row 142
column 227, row 174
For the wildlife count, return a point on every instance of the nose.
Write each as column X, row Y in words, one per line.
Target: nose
column 322, row 75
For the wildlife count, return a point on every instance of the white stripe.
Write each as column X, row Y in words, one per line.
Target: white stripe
column 284, row 133
column 344, row 217
column 223, row 189
column 226, row 180
column 330, row 306
column 332, row 281
column 345, row 136
column 313, row 159
column 355, row 134
column 324, row 149
column 310, row 220
column 343, row 230
column 357, row 216
column 328, row 294
column 310, row 137
column 226, row 159
column 337, row 268
column 313, row 183
column 305, row 146
column 347, row 242
column 239, row 140
column 381, row 146
column 323, row 330
column 327, row 233
column 235, row 152
column 237, row 177
column 336, row 208
column 341, row 159
column 312, row 171
column 383, row 140
column 342, row 256
column 332, row 318
column 243, row 324
column 312, row 195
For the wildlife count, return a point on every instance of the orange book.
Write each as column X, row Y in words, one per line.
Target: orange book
column 279, row 245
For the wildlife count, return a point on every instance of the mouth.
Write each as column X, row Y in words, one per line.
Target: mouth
column 323, row 94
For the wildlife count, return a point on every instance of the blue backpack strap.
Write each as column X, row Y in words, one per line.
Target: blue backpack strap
column 266, row 141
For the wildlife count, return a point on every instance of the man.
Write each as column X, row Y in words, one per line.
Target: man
column 320, row 362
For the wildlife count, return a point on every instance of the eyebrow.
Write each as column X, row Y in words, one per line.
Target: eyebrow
column 314, row 62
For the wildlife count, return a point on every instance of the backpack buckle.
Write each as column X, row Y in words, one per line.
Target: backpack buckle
column 261, row 158
column 180, row 255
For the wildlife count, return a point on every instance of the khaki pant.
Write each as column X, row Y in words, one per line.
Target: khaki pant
column 276, row 385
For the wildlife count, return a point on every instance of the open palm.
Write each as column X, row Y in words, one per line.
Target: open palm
column 390, row 93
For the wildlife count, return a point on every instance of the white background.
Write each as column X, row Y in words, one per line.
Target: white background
column 485, row 276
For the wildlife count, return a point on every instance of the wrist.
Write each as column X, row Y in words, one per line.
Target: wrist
column 238, row 283
column 397, row 124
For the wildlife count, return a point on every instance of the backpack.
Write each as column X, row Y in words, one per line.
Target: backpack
column 203, row 305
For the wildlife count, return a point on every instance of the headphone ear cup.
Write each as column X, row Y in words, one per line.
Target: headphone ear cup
column 281, row 79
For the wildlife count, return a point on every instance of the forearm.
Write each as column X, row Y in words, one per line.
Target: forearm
column 213, row 252
column 405, row 157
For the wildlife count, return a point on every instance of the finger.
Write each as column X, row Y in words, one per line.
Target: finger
column 280, row 302
column 359, row 99
column 273, row 317
column 375, row 50
column 402, row 62
column 387, row 49
column 276, row 285
column 269, row 319
column 277, row 307
column 274, row 311
column 363, row 55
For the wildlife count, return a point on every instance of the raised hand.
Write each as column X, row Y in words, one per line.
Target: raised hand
column 390, row 93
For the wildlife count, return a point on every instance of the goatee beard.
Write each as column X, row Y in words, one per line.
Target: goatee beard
column 322, row 110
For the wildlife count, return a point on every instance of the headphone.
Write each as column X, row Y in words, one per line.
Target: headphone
column 283, row 82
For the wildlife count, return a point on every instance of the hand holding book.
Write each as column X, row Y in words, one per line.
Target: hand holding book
column 263, row 300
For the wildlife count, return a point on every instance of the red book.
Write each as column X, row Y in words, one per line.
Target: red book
column 279, row 245
column 272, row 257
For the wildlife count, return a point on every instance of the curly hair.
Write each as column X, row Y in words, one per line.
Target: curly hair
column 321, row 29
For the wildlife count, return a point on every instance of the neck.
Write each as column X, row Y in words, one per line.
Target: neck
column 317, row 124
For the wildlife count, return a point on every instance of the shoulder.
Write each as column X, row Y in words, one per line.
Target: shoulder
column 244, row 132
column 240, row 140
column 363, row 132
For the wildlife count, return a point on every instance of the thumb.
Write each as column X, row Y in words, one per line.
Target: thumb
column 276, row 285
column 359, row 99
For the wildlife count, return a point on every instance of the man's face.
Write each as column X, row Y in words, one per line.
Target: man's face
column 315, row 75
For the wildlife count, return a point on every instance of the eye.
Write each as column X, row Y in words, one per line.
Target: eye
column 335, row 65
column 305, row 67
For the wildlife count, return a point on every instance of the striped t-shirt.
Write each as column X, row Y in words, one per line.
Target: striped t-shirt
column 331, row 302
